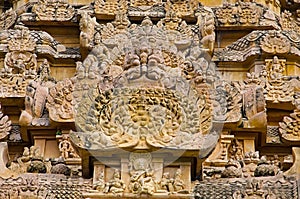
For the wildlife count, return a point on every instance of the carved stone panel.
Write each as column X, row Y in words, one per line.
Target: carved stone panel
column 57, row 10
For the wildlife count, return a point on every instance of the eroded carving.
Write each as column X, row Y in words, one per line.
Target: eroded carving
column 60, row 101
column 206, row 23
column 115, row 185
column 288, row 127
column 5, row 125
column 7, row 19
column 66, row 148
column 57, row 10
column 37, row 91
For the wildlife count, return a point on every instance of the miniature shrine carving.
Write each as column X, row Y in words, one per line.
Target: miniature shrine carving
column 58, row 10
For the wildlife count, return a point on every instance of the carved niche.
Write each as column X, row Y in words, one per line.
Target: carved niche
column 57, row 10
column 35, row 112
column 278, row 89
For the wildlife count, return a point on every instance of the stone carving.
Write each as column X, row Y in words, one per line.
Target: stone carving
column 269, row 187
column 15, row 134
column 59, row 167
column 275, row 43
column 139, row 108
column 43, row 186
column 57, row 10
column 152, row 8
column 182, row 8
column 60, row 101
column 264, row 168
column 254, row 106
column 279, row 89
column 288, row 127
column 233, row 169
column 273, row 135
column 31, row 162
column 257, row 42
column 87, row 27
column 109, row 7
column 37, row 91
column 7, row 19
column 288, row 22
column 20, row 63
column 5, row 125
column 206, row 23
column 236, row 151
column 66, row 148
column 115, row 185
column 99, row 185
column 141, row 174
column 241, row 13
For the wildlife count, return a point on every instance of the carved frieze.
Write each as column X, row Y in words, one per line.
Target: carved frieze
column 57, row 10
column 257, row 42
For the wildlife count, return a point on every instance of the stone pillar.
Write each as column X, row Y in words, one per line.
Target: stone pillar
column 125, row 176
column 4, row 158
column 158, row 168
column 185, row 168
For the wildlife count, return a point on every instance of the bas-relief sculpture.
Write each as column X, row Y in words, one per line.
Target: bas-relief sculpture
column 58, row 10
column 145, row 83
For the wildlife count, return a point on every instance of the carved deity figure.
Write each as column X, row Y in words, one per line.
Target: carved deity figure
column 66, row 148
column 178, row 182
column 115, row 185
column 100, row 184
